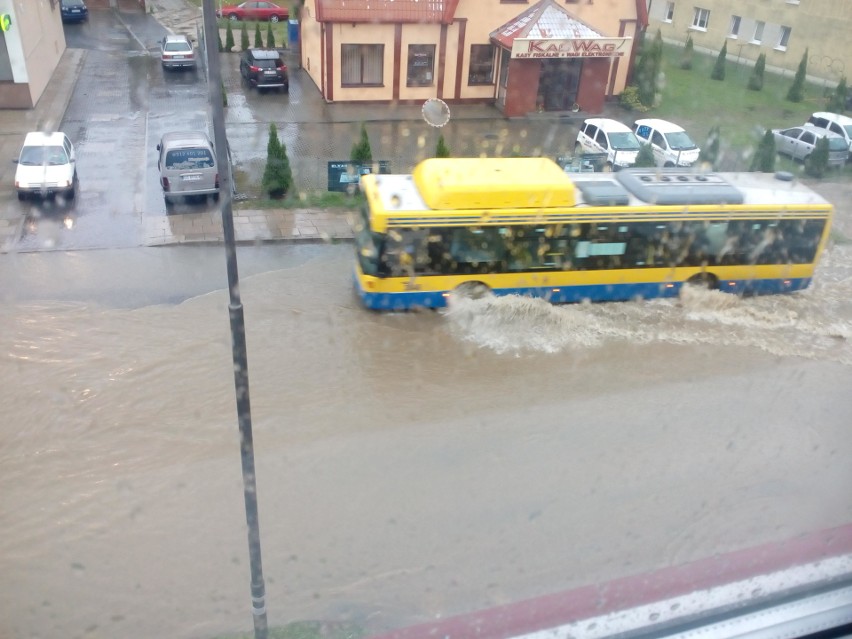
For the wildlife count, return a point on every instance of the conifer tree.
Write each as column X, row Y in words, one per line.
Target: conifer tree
column 755, row 81
column 244, row 38
column 686, row 60
column 719, row 68
column 837, row 100
column 442, row 150
column 277, row 176
column 710, row 151
column 764, row 157
column 258, row 40
column 645, row 157
column 361, row 152
column 816, row 164
column 797, row 89
column 229, row 38
column 219, row 41
column 270, row 37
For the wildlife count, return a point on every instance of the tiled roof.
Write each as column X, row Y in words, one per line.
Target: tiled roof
column 387, row 11
column 543, row 21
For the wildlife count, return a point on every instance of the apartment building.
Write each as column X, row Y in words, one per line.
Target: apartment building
column 522, row 55
column 782, row 29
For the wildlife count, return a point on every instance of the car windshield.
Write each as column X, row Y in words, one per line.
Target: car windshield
column 50, row 155
column 680, row 141
column 625, row 141
column 848, row 129
column 189, row 159
column 836, row 143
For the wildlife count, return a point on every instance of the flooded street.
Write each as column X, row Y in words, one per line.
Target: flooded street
column 409, row 466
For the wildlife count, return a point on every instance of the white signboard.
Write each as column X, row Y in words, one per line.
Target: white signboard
column 571, row 48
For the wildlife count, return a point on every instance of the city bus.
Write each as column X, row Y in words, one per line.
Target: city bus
column 523, row 226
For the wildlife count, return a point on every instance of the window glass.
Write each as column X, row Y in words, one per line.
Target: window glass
column 421, row 63
column 735, row 26
column 189, row 159
column 362, row 64
column 784, row 38
column 808, row 137
column 700, row 18
column 659, row 140
column 758, row 31
column 481, row 64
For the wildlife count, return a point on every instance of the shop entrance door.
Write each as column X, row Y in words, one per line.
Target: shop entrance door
column 558, row 84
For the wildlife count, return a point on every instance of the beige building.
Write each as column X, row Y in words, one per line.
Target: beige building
column 522, row 55
column 30, row 49
column 782, row 29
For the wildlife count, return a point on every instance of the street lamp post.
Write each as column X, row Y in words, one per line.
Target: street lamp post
column 238, row 327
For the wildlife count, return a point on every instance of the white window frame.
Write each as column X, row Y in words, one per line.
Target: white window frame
column 759, row 28
column 734, row 28
column 782, row 40
column 669, row 15
column 700, row 16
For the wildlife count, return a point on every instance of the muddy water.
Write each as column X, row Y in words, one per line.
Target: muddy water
column 409, row 466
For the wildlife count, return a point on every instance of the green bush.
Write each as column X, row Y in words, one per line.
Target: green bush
column 645, row 157
column 270, row 37
column 837, row 99
column 719, row 68
column 277, row 176
column 764, row 157
column 797, row 89
column 755, row 81
column 629, row 99
column 361, row 152
column 258, row 40
column 816, row 164
column 686, row 58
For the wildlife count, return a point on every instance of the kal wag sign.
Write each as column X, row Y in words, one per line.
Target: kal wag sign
column 571, row 48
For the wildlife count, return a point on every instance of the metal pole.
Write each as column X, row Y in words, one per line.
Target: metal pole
column 238, row 328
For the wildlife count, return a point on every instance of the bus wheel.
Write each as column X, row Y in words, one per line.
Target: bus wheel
column 704, row 280
column 472, row 290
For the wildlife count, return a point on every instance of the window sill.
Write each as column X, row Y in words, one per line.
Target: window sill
column 380, row 85
column 780, row 48
column 733, row 37
column 480, row 84
column 757, row 42
column 694, row 28
column 419, row 85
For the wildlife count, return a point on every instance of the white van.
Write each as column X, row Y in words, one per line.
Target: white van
column 670, row 143
column 47, row 165
column 836, row 123
column 602, row 135
column 187, row 166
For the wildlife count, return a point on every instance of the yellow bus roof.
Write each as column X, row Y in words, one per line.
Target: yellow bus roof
column 492, row 183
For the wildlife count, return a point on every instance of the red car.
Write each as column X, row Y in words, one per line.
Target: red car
column 254, row 11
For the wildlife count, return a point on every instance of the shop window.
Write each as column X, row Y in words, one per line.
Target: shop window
column 421, row 64
column 481, row 64
column 362, row 64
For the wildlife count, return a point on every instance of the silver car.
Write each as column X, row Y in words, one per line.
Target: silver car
column 187, row 166
column 177, row 52
column 799, row 142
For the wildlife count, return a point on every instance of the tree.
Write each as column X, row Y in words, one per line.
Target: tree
column 710, row 151
column 719, row 68
column 361, row 152
column 837, row 100
column 244, row 39
column 270, row 36
column 442, row 151
column 764, row 157
column 755, row 81
column 277, row 176
column 258, row 40
column 229, row 38
column 797, row 89
column 816, row 164
column 645, row 157
column 686, row 60
column 646, row 81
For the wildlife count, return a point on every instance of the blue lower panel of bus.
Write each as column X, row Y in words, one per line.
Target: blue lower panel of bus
column 573, row 294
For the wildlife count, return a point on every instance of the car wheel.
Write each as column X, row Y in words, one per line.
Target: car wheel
column 233, row 17
column 669, row 165
column 273, row 19
column 215, row 197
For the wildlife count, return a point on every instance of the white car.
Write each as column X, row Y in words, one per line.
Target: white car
column 602, row 135
column 670, row 143
column 836, row 123
column 47, row 165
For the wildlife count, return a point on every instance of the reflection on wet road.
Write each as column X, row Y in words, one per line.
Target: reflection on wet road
column 410, row 466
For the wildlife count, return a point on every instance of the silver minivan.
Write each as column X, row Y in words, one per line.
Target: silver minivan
column 187, row 166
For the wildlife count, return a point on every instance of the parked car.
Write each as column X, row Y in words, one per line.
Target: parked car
column 602, row 135
column 670, row 143
column 799, row 142
column 73, row 10
column 264, row 69
column 177, row 52
column 187, row 166
column 836, row 123
column 47, row 165
column 254, row 11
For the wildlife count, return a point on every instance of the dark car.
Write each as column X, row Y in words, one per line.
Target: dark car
column 264, row 69
column 73, row 10
column 254, row 11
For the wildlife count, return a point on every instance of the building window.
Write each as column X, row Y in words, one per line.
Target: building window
column 481, row 64
column 734, row 31
column 362, row 64
column 700, row 19
column 669, row 12
column 784, row 38
column 421, row 64
column 757, row 38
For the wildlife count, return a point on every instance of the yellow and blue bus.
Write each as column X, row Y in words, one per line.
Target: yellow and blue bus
column 523, row 226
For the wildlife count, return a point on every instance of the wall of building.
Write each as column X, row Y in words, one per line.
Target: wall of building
column 35, row 44
column 821, row 26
